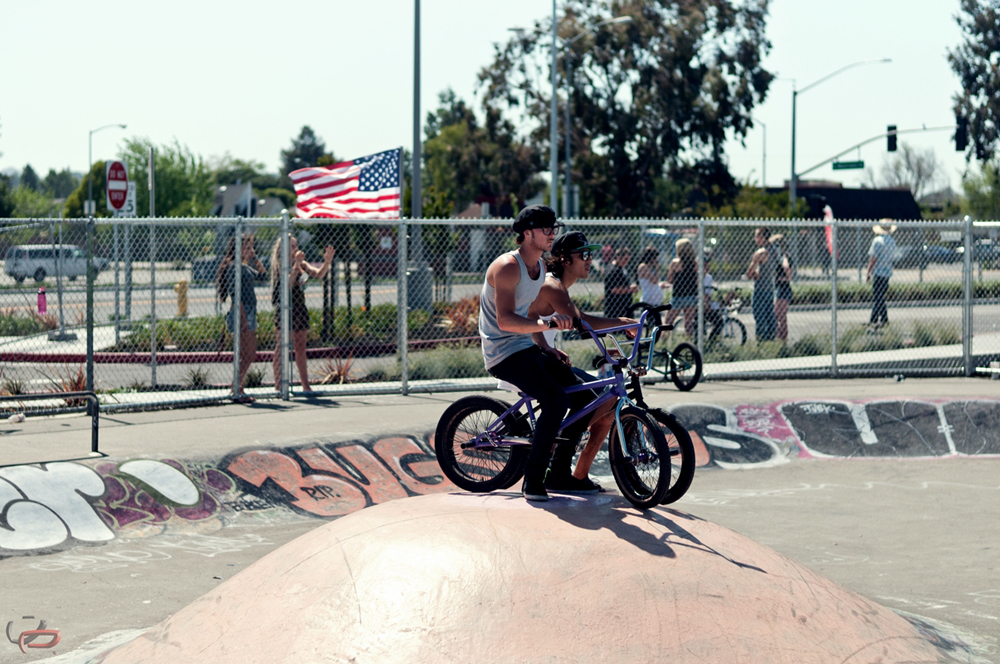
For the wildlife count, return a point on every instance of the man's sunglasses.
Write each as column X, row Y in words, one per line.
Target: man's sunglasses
column 585, row 254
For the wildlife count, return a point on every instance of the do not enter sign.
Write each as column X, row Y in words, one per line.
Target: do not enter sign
column 117, row 184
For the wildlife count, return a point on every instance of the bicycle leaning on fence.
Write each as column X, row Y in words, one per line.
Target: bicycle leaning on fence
column 682, row 365
column 725, row 329
column 482, row 443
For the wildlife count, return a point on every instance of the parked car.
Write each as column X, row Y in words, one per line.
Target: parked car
column 205, row 269
column 986, row 251
column 39, row 261
column 938, row 254
column 910, row 256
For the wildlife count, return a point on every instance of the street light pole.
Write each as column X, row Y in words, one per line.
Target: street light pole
column 793, row 183
column 553, row 130
column 763, row 159
column 92, row 209
column 567, row 188
column 569, row 94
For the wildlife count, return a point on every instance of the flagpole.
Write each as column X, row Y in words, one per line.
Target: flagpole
column 420, row 292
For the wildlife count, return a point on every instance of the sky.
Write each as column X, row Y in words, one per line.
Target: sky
column 243, row 78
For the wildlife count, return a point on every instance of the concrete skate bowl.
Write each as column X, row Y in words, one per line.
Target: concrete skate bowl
column 474, row 578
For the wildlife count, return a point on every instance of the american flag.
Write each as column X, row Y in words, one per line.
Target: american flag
column 364, row 188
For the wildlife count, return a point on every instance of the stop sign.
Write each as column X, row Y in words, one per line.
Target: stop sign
column 117, row 184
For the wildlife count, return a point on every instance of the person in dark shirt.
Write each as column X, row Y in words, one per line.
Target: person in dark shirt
column 242, row 317
column 618, row 288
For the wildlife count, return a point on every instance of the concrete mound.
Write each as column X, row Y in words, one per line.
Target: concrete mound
column 460, row 577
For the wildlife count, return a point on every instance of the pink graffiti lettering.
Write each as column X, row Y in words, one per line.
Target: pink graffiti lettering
column 420, row 477
column 339, row 496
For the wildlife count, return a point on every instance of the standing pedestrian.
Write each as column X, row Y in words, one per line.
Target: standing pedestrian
column 300, row 270
column 782, row 286
column 618, row 288
column 242, row 317
column 880, row 256
column 761, row 271
column 682, row 276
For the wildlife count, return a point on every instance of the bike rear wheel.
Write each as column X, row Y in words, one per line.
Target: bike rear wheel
column 685, row 366
column 682, row 461
column 729, row 333
column 640, row 462
column 481, row 469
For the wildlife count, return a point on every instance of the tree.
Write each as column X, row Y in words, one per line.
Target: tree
column 918, row 171
column 651, row 99
column 982, row 191
column 29, row 178
column 231, row 170
column 976, row 65
column 6, row 199
column 73, row 207
column 183, row 181
column 31, row 203
column 61, row 184
column 466, row 162
column 306, row 150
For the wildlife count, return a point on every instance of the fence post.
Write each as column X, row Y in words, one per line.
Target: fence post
column 402, row 319
column 967, row 300
column 117, row 258
column 127, row 245
column 152, row 302
column 700, row 340
column 834, row 250
column 237, row 303
column 90, row 308
column 284, row 378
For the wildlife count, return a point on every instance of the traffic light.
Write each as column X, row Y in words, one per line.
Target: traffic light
column 961, row 133
column 891, row 136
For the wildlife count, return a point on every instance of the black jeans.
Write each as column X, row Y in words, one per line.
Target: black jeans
column 543, row 377
column 880, row 286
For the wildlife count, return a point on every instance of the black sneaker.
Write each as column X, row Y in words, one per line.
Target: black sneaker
column 534, row 490
column 566, row 483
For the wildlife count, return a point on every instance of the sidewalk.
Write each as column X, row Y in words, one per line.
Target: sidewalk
column 216, row 430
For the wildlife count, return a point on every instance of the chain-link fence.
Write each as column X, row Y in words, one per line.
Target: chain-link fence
column 154, row 324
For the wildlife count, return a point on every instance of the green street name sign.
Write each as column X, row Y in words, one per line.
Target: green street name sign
column 847, row 165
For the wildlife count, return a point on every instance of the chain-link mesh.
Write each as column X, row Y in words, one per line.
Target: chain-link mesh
column 756, row 304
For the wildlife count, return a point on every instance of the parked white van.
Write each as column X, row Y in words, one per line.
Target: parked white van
column 39, row 261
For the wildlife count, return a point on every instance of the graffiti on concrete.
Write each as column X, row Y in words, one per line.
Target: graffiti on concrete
column 48, row 507
column 760, row 435
column 334, row 479
column 721, row 441
column 51, row 505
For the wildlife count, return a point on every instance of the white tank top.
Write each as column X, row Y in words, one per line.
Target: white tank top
column 651, row 292
column 498, row 344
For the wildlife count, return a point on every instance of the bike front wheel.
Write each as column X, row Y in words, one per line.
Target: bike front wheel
column 685, row 366
column 681, row 455
column 641, row 461
column 485, row 468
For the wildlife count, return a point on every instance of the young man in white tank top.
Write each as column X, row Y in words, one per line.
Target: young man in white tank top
column 571, row 261
column 505, row 327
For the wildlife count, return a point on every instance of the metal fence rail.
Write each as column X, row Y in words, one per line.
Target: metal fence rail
column 149, row 323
